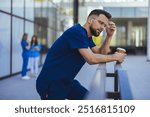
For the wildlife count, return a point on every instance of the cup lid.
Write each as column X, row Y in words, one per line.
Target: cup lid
column 121, row 49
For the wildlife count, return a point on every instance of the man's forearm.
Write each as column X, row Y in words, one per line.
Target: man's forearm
column 105, row 48
column 100, row 58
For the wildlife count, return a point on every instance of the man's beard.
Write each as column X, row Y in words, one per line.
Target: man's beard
column 94, row 32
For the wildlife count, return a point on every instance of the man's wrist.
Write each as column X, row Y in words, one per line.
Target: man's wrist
column 114, row 57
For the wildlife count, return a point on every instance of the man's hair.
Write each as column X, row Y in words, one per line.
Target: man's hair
column 99, row 11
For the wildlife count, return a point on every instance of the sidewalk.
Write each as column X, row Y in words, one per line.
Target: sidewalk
column 138, row 69
column 15, row 88
column 139, row 76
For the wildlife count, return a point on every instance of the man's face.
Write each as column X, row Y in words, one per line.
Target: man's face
column 98, row 24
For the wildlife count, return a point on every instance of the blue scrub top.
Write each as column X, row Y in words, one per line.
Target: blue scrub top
column 63, row 60
column 25, row 51
column 33, row 51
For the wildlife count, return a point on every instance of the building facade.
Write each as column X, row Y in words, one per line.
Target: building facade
column 39, row 17
column 49, row 18
column 130, row 17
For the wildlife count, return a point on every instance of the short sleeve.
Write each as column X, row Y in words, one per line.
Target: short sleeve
column 77, row 40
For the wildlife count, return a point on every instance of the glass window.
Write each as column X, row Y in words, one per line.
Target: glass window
column 18, row 7
column 127, row 12
column 5, row 5
column 44, row 8
column 38, row 11
column 29, row 28
column 121, row 35
column 29, row 9
column 44, row 12
column 16, row 44
column 141, row 12
column 115, row 12
column 44, row 36
column 138, row 36
column 51, row 37
column 4, row 44
column 52, row 17
column 38, row 31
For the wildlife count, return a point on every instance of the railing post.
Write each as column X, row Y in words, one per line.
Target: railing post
column 123, row 81
column 116, row 84
column 97, row 87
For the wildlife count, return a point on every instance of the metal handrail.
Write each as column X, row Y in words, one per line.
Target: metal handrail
column 122, row 88
column 97, row 87
column 123, row 81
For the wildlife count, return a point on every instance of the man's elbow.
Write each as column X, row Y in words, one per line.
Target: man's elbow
column 91, row 61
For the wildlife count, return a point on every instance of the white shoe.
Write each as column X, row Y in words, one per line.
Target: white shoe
column 25, row 77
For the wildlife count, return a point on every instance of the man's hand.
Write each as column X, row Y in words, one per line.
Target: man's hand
column 110, row 29
column 119, row 56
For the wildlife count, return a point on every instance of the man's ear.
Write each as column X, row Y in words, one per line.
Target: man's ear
column 90, row 19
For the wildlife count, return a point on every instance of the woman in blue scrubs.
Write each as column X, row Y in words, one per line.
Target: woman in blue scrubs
column 34, row 56
column 25, row 55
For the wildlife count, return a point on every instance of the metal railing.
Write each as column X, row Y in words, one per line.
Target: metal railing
column 122, row 90
column 97, row 87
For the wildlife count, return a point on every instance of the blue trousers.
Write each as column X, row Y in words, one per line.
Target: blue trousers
column 25, row 64
column 59, row 90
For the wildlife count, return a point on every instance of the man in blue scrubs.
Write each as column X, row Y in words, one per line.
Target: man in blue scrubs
column 70, row 52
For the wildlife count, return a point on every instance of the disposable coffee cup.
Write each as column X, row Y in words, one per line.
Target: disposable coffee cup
column 121, row 50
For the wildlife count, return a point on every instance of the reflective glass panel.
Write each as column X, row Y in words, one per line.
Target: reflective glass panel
column 127, row 12
column 38, row 11
column 29, row 9
column 18, row 7
column 115, row 12
column 16, row 44
column 5, row 5
column 4, row 44
column 29, row 28
column 141, row 12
